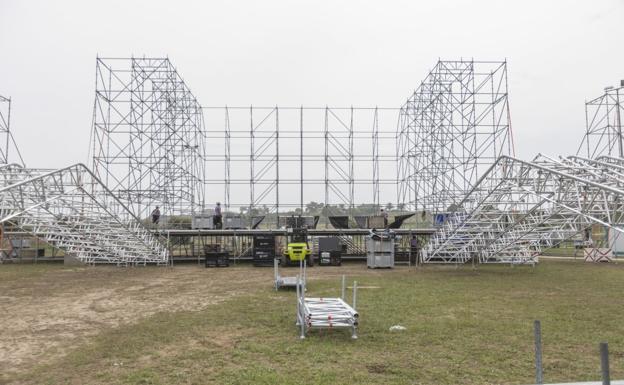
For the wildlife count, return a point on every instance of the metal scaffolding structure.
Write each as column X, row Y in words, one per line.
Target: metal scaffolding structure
column 518, row 208
column 7, row 142
column 447, row 151
column 72, row 210
column 326, row 313
column 603, row 115
column 451, row 129
column 273, row 159
column 147, row 141
column 280, row 158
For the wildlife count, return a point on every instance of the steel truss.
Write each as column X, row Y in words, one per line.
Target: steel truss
column 72, row 210
column 6, row 137
column 326, row 313
column 284, row 157
column 454, row 126
column 604, row 125
column 147, row 139
column 517, row 208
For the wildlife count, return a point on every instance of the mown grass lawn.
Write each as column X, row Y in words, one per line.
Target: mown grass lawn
column 464, row 326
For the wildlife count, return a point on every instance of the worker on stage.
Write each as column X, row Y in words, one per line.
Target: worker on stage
column 156, row 215
column 384, row 214
column 218, row 217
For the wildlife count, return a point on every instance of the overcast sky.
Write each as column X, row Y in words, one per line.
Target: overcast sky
column 315, row 53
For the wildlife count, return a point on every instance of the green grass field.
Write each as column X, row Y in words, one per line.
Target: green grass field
column 464, row 326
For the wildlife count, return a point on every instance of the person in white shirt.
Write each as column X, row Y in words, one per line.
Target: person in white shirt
column 384, row 214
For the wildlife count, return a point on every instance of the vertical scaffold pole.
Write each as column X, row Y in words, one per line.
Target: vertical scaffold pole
column 300, row 312
column 276, row 272
column 539, row 374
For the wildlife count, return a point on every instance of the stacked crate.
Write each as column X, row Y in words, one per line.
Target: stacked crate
column 264, row 250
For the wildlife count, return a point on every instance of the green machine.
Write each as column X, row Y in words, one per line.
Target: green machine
column 297, row 248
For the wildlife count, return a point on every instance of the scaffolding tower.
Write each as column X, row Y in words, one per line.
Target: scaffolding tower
column 603, row 135
column 451, row 129
column 7, row 141
column 147, row 142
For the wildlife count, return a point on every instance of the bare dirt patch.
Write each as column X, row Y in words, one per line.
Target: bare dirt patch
column 45, row 314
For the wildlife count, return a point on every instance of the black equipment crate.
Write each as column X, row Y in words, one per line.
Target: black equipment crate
column 263, row 250
column 335, row 259
column 261, row 259
column 266, row 242
column 332, row 246
column 216, row 258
